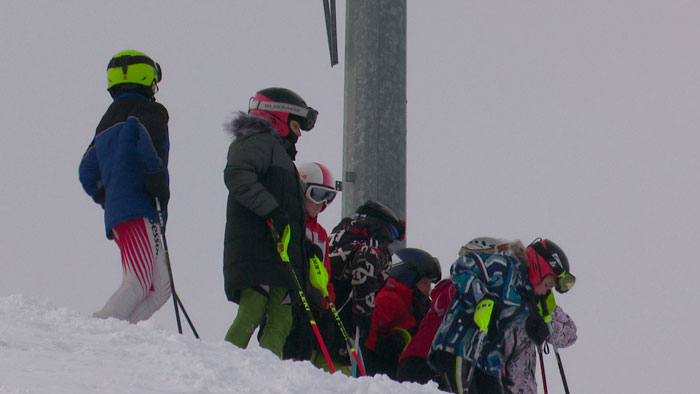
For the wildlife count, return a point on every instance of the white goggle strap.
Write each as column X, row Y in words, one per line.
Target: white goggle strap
column 278, row 107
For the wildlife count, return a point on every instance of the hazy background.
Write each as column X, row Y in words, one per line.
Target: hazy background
column 576, row 121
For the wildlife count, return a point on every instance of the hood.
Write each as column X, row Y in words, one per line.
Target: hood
column 246, row 125
column 352, row 231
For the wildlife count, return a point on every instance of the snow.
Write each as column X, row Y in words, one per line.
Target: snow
column 46, row 348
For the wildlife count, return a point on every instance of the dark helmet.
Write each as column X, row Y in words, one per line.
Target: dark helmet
column 409, row 265
column 383, row 213
column 558, row 262
column 281, row 106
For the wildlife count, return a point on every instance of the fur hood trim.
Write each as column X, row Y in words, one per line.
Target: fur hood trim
column 246, row 125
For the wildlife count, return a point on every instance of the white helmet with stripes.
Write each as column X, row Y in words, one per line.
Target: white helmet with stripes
column 318, row 182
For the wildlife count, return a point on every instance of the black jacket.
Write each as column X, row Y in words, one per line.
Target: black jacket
column 260, row 177
column 152, row 115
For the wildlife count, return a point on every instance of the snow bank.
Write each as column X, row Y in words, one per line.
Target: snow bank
column 49, row 349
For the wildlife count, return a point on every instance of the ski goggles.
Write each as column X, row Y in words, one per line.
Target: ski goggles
column 395, row 233
column 127, row 60
column 564, row 282
column 308, row 115
column 320, row 194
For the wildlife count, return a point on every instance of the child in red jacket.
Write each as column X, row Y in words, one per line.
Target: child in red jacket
column 399, row 308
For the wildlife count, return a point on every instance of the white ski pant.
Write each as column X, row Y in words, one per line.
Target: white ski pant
column 145, row 285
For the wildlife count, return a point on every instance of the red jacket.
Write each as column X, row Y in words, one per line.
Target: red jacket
column 317, row 234
column 441, row 296
column 392, row 309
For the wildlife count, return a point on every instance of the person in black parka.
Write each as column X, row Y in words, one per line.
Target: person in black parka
column 264, row 186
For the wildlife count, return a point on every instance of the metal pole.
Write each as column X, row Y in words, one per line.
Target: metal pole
column 374, row 133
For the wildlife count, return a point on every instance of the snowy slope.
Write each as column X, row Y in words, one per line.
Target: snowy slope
column 49, row 349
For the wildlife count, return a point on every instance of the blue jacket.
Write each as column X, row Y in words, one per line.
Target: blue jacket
column 118, row 161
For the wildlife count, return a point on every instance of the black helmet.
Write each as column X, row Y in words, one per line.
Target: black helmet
column 409, row 265
column 557, row 260
column 382, row 212
column 282, row 105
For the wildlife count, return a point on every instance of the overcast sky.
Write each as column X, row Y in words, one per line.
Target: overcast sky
column 575, row 121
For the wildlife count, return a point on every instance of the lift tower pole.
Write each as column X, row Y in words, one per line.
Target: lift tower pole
column 374, row 129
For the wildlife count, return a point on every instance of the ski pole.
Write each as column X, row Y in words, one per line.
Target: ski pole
column 282, row 250
column 544, row 378
column 187, row 317
column 561, row 370
column 543, row 305
column 319, row 279
column 359, row 362
column 176, row 299
column 470, row 375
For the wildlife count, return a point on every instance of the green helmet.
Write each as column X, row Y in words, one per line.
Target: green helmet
column 133, row 67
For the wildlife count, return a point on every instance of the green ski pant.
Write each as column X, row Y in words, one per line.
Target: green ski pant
column 253, row 306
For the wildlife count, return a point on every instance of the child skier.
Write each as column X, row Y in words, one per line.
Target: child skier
column 319, row 187
column 413, row 366
column 264, row 189
column 400, row 306
column 475, row 330
column 125, row 170
column 360, row 262
column 548, row 266
column 490, row 280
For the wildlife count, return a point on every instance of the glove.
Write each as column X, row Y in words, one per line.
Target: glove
column 536, row 328
column 279, row 220
column 99, row 196
column 364, row 323
column 546, row 306
column 405, row 336
column 328, row 326
column 386, row 354
column 482, row 313
column 311, row 249
column 441, row 361
column 157, row 187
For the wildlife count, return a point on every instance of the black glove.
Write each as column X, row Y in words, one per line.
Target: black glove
column 99, row 196
column 157, row 187
column 441, row 361
column 385, row 357
column 390, row 346
column 311, row 249
column 364, row 323
column 536, row 328
column 279, row 219
column 328, row 326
